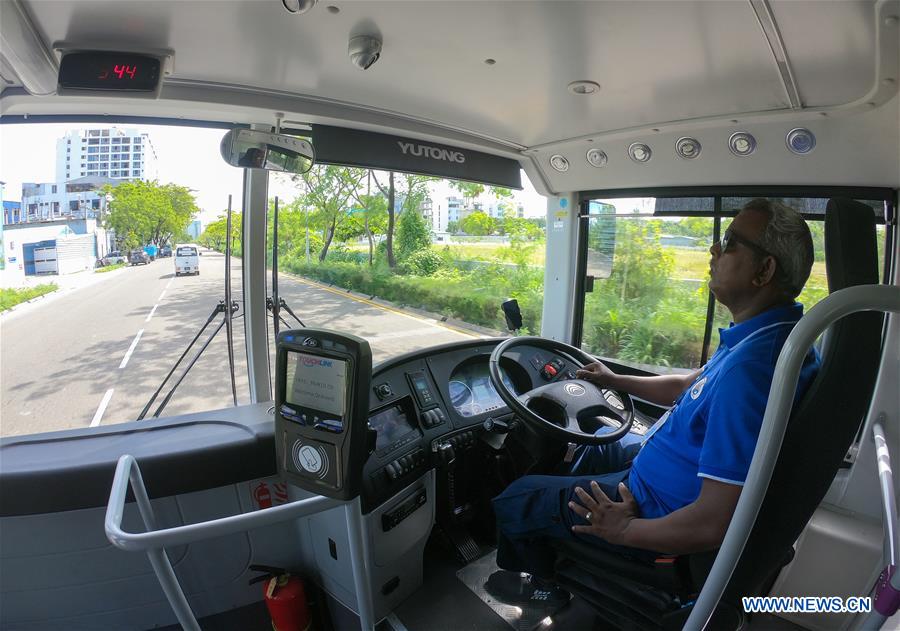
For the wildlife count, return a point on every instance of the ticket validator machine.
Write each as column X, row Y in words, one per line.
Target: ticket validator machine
column 321, row 409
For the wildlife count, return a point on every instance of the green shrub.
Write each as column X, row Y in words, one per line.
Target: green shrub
column 11, row 297
column 422, row 263
column 109, row 268
column 462, row 297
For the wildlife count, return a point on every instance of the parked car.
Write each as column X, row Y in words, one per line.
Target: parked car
column 113, row 258
column 138, row 257
column 165, row 252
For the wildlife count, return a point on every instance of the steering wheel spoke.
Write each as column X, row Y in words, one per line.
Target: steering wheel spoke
column 577, row 398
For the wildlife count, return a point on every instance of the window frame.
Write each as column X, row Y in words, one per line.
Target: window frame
column 717, row 193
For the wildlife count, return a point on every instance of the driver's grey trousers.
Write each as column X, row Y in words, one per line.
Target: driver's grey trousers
column 535, row 508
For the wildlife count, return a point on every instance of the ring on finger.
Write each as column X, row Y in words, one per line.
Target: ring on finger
column 588, row 516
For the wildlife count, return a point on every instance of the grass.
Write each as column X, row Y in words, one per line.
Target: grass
column 11, row 297
column 109, row 268
column 693, row 264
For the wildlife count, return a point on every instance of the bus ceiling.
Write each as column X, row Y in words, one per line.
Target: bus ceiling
column 586, row 96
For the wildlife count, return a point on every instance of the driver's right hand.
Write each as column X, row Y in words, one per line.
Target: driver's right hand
column 598, row 374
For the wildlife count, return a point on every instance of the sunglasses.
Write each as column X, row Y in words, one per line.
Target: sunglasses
column 731, row 237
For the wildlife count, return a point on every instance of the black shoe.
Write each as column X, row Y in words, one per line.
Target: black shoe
column 521, row 588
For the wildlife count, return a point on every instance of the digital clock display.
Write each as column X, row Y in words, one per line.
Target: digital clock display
column 127, row 72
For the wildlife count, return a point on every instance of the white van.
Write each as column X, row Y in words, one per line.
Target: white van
column 187, row 259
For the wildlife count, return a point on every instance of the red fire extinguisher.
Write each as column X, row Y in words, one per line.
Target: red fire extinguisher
column 285, row 598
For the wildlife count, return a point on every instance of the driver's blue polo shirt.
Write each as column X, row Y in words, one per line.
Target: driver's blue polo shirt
column 713, row 428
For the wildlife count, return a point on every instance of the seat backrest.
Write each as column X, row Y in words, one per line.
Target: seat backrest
column 826, row 421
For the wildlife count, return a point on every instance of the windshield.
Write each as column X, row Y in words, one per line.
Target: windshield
column 404, row 261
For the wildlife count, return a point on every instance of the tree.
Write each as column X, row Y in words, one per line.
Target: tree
column 413, row 235
column 453, row 227
column 328, row 188
column 414, row 189
column 478, row 224
column 214, row 234
column 374, row 216
column 149, row 212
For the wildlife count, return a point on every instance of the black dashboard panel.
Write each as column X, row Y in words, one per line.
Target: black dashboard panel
column 427, row 404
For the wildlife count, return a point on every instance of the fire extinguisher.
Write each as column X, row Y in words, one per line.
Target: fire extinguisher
column 285, row 598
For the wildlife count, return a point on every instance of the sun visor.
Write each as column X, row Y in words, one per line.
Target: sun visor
column 353, row 147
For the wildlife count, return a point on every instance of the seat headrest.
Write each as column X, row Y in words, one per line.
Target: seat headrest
column 851, row 251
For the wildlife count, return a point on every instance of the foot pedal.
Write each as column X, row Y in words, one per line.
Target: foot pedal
column 467, row 550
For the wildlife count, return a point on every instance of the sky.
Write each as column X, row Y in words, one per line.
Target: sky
column 186, row 156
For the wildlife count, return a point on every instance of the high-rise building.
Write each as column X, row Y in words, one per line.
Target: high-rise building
column 120, row 154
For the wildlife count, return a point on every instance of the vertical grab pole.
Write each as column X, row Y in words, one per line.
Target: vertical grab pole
column 276, row 307
column 359, row 559
column 229, row 325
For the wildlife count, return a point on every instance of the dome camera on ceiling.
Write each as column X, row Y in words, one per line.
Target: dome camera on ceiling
column 364, row 50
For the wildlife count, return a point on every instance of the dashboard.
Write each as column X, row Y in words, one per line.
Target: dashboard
column 427, row 405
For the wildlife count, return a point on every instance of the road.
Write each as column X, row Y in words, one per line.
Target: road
column 95, row 355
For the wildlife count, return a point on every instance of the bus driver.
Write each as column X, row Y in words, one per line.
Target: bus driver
column 675, row 490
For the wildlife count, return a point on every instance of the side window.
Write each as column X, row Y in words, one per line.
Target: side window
column 93, row 315
column 649, row 302
column 650, row 258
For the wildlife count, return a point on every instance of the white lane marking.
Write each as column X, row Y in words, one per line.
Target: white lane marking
column 137, row 338
column 152, row 311
column 100, row 410
column 170, row 282
column 162, row 295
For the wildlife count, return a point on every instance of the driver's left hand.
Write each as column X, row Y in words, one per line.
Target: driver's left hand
column 608, row 519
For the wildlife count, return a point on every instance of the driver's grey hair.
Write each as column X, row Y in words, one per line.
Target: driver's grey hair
column 788, row 239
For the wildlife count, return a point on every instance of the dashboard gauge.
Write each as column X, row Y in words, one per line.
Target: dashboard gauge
column 460, row 393
column 471, row 390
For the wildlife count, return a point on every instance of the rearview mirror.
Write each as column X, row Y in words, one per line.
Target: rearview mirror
column 262, row 150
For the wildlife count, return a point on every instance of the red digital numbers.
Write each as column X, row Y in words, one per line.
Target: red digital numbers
column 121, row 71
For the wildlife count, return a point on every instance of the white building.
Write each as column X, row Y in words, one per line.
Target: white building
column 81, row 198
column 456, row 209
column 50, row 248
column 122, row 154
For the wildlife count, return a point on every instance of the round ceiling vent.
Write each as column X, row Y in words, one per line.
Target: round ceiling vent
column 583, row 88
column 639, row 152
column 597, row 158
column 687, row 148
column 800, row 141
column 742, row 143
column 559, row 163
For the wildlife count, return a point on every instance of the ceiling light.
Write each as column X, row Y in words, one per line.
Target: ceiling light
column 800, row 140
column 584, row 87
column 597, row 158
column 741, row 143
column 639, row 152
column 298, row 6
column 687, row 148
column 559, row 163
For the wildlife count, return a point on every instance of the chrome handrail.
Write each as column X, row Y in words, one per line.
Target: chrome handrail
column 154, row 541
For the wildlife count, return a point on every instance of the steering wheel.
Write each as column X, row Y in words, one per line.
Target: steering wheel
column 579, row 398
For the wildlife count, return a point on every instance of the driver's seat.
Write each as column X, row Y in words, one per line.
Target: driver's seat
column 659, row 595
